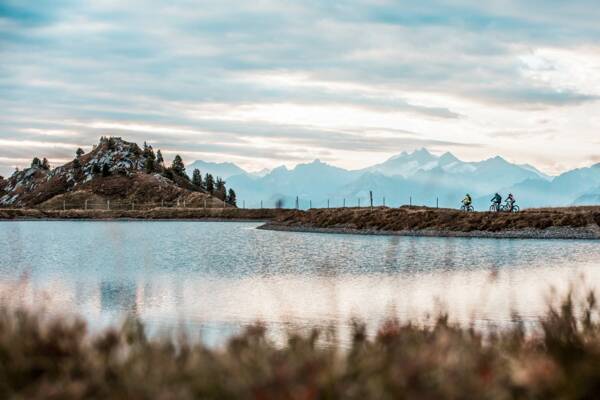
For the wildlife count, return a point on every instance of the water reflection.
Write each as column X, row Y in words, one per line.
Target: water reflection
column 215, row 277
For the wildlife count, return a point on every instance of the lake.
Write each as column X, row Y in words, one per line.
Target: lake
column 212, row 278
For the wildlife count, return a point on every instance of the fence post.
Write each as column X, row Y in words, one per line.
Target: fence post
column 371, row 198
column 410, row 201
column 327, row 203
column 108, row 205
column 384, row 201
column 437, row 202
column 344, row 204
column 162, row 204
column 359, row 202
column 297, row 203
column 184, row 204
column 310, row 204
column 261, row 204
column 243, row 203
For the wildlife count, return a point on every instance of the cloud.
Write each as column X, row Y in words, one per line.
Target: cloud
column 442, row 72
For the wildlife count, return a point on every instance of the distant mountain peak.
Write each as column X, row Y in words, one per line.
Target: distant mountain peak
column 447, row 158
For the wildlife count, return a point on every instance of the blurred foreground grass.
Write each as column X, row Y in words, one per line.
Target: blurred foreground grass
column 58, row 358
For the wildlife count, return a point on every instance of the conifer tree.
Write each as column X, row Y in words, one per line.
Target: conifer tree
column 197, row 178
column 231, row 197
column 79, row 152
column 36, row 163
column 149, row 165
column 76, row 164
column 220, row 190
column 178, row 167
column 45, row 164
column 159, row 158
column 209, row 183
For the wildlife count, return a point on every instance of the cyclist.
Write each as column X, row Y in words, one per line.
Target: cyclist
column 467, row 201
column 497, row 200
column 510, row 201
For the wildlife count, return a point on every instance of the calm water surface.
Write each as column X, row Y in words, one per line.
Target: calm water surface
column 215, row 277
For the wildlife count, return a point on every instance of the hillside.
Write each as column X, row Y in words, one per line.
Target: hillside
column 565, row 223
column 115, row 170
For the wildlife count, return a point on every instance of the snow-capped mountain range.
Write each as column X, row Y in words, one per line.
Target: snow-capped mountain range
column 418, row 177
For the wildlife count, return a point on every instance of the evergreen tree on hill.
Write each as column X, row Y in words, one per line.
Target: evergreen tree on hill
column 149, row 164
column 231, row 198
column 209, row 183
column 197, row 178
column 220, row 190
column 159, row 158
column 79, row 152
column 178, row 167
column 36, row 163
column 45, row 164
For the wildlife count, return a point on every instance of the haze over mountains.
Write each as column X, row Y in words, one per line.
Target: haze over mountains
column 419, row 176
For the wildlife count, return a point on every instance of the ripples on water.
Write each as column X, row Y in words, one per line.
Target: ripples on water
column 220, row 276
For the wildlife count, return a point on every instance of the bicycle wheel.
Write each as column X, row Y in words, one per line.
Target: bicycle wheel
column 493, row 208
column 516, row 209
column 470, row 208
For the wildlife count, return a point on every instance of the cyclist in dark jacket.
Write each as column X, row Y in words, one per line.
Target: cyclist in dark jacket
column 497, row 200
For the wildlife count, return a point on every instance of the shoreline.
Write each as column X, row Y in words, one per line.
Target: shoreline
column 159, row 214
column 554, row 233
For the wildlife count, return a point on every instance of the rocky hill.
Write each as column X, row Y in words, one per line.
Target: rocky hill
column 115, row 170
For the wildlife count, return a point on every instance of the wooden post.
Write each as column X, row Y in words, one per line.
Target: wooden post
column 310, row 204
column 410, row 201
column 243, row 203
column 437, row 202
column 108, row 205
column 371, row 198
column 327, row 203
column 344, row 204
column 162, row 204
column 261, row 204
column 359, row 202
column 297, row 203
column 384, row 201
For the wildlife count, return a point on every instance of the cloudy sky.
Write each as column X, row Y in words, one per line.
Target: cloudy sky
column 264, row 83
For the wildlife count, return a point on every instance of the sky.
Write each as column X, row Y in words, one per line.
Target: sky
column 265, row 83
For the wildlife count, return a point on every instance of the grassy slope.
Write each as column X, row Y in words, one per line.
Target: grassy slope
column 59, row 359
column 421, row 218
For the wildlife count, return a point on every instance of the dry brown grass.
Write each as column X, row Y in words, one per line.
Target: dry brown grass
column 60, row 359
column 422, row 218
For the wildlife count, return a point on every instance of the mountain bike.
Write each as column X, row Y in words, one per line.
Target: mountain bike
column 507, row 208
column 467, row 208
column 495, row 207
